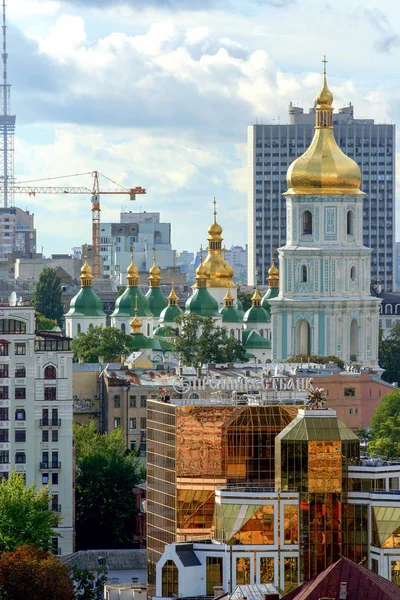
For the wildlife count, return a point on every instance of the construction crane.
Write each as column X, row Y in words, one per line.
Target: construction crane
column 95, row 193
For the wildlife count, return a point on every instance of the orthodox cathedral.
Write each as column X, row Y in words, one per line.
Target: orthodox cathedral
column 319, row 304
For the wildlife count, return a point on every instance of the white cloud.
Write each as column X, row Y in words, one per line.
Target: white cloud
column 67, row 35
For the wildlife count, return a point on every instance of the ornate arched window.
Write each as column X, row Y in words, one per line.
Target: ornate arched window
column 50, row 372
column 307, row 222
column 304, row 274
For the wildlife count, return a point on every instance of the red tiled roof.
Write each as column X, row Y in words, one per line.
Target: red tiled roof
column 362, row 584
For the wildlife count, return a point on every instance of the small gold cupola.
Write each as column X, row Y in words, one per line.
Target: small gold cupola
column 132, row 271
column 219, row 272
column 86, row 271
column 136, row 323
column 201, row 272
column 154, row 278
column 273, row 274
column 228, row 298
column 256, row 298
column 173, row 298
column 324, row 168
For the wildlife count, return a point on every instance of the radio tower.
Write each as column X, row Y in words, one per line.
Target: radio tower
column 7, row 130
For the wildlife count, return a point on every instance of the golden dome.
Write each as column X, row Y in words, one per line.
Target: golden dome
column 136, row 323
column 154, row 271
column 228, row 298
column 324, row 168
column 256, row 298
column 219, row 273
column 132, row 272
column 86, row 271
column 173, row 298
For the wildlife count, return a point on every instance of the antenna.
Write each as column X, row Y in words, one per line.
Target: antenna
column 7, row 129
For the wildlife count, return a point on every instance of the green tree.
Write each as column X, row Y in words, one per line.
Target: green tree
column 389, row 352
column 364, row 435
column 47, row 296
column 105, row 477
column 35, row 574
column 385, row 427
column 245, row 298
column 320, row 360
column 89, row 585
column 44, row 324
column 107, row 342
column 25, row 516
column 201, row 341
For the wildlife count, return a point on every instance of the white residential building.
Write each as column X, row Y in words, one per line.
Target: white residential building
column 36, row 412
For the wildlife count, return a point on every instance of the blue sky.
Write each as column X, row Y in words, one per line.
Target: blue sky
column 159, row 93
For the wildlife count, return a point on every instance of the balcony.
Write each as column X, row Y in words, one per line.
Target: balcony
column 50, row 422
column 50, row 466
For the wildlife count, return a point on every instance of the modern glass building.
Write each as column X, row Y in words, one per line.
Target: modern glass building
column 257, row 493
column 272, row 148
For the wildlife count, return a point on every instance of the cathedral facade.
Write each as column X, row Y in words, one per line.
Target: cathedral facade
column 324, row 306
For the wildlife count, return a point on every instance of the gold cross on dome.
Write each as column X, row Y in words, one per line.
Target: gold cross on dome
column 132, row 250
column 324, row 62
column 215, row 207
column 201, row 253
column 85, row 251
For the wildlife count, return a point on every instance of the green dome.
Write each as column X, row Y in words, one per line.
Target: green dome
column 202, row 303
column 139, row 341
column 162, row 332
column 157, row 300
column 85, row 304
column 169, row 313
column 125, row 304
column 230, row 314
column 251, row 339
column 240, row 308
column 256, row 314
column 270, row 293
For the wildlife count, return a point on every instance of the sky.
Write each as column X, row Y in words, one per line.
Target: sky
column 159, row 94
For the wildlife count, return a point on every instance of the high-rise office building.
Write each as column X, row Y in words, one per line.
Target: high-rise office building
column 272, row 148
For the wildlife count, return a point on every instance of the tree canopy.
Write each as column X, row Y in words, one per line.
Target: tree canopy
column 389, row 352
column 89, row 585
column 105, row 477
column 107, row 342
column 32, row 573
column 202, row 341
column 47, row 296
column 319, row 360
column 45, row 324
column 25, row 516
column 385, row 427
column 245, row 298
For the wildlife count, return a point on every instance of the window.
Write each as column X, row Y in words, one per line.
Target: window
column 3, row 348
column 20, row 458
column 54, row 417
column 3, row 435
column 54, row 479
column 20, row 372
column 78, row 328
column 353, row 273
column 349, row 391
column 12, row 326
column 132, row 423
column 132, row 401
column 3, row 392
column 4, row 457
column 20, row 435
column 170, row 578
column 117, row 422
column 20, row 393
column 132, row 446
column 20, row 349
column 54, row 460
column 3, row 414
column 307, row 222
column 54, row 542
column 304, row 274
column 45, row 478
column 143, row 401
column 117, row 401
column 45, row 435
column 214, row 566
column 50, row 372
column 142, row 423
column 20, row 414
column 50, row 393
column 4, row 371
column 123, row 327
column 54, row 436
column 350, row 222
